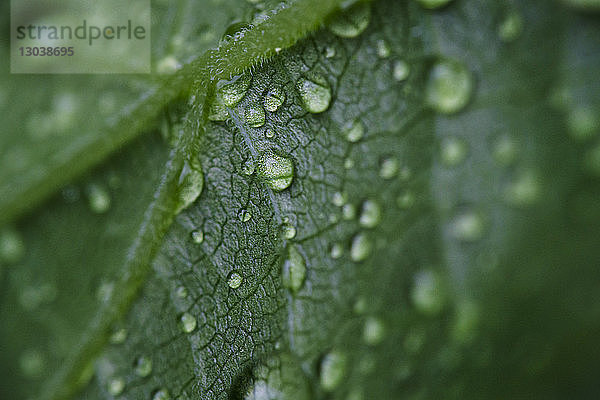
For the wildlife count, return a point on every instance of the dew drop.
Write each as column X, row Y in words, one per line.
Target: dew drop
column 373, row 331
column 274, row 99
column 406, row 200
column 511, row 27
column 234, row 280
column 168, row 65
column 339, row 199
column 276, row 170
column 330, row 52
column 348, row 212
column 161, row 394
column 181, row 292
column 383, row 49
column 504, row 150
column 314, row 92
column 348, row 163
column 468, row 226
column 370, row 214
column 427, row 295
column 333, row 370
column 360, row 306
column 449, row 86
column 433, row 4
column 453, row 151
column 118, row 336
column 360, row 248
column 12, row 247
column 32, row 363
column 116, row 386
column 255, row 116
column 294, row 270
column 191, row 182
column 355, row 132
column 233, row 91
column 388, row 168
column 269, row 133
column 336, row 251
column 98, row 198
column 524, row 190
column 245, row 215
column 288, row 230
column 351, row 22
column 401, row 70
column 143, row 366
column 197, row 236
column 187, row 322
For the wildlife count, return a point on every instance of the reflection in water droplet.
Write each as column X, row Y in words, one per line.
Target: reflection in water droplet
column 255, row 116
column 453, row 151
column 449, row 86
column 333, row 370
column 370, row 214
column 98, row 198
column 360, row 248
column 294, row 270
column 511, row 27
column 187, row 322
column 315, row 93
column 12, row 247
column 191, row 182
column 401, row 70
column 116, row 386
column 197, row 236
column 276, row 170
column 351, row 22
column 427, row 293
column 143, row 366
column 432, row 4
column 373, row 331
column 468, row 226
column 274, row 99
column 234, row 280
column 355, row 132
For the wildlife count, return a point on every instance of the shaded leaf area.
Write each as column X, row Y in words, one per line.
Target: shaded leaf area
column 74, row 249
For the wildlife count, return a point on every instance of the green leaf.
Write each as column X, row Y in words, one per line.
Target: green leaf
column 403, row 203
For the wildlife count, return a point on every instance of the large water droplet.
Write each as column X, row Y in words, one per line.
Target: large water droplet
column 510, row 28
column 197, row 236
column 361, row 247
column 468, row 226
column 116, row 386
column 373, row 331
column 255, row 116
column 432, row 4
column 232, row 92
column 143, row 366
column 276, row 170
column 315, row 92
column 234, row 280
column 453, row 151
column 99, row 199
column 427, row 293
column 333, row 370
column 191, row 182
column 161, row 394
column 370, row 214
column 355, row 132
column 12, row 247
column 449, row 86
column 294, row 270
column 274, row 99
column 351, row 22
column 187, row 322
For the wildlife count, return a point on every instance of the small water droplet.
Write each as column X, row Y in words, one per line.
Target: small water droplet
column 383, row 49
column 360, row 248
column 181, row 292
column 333, row 370
column 427, row 294
column 118, row 336
column 315, row 92
column 511, row 27
column 524, row 190
column 269, row 133
column 245, row 215
column 370, row 214
column 348, row 211
column 32, row 363
column 453, row 151
column 373, row 331
column 401, row 70
column 351, row 22
column 288, row 230
column 197, row 236
column 187, row 322
column 233, row 91
column 161, row 394
column 468, row 226
column 234, row 280
column 255, row 116
column 336, row 251
column 191, row 182
column 348, row 163
column 98, row 198
column 388, row 168
column 339, row 198
column 504, row 150
column 276, row 170
column 583, row 123
column 330, row 52
column 168, row 65
column 143, row 366
column 433, row 4
column 405, row 200
column 355, row 132
column 449, row 86
column 12, row 247
column 116, row 386
column 274, row 99
column 294, row 270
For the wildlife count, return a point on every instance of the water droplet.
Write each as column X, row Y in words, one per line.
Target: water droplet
column 32, row 363
column 336, row 251
column 161, row 394
column 468, row 226
column 348, row 163
column 197, row 236
column 330, row 52
column 98, row 198
column 449, row 86
column 432, row 4
column 351, row 22
column 511, row 27
column 218, row 110
column 405, row 200
column 373, row 331
column 255, row 116
column 12, row 247
column 234, row 280
column 143, row 366
column 116, row 386
column 118, row 336
column 348, row 212
column 339, row 198
column 427, row 293
column 453, row 151
column 276, row 170
column 278, row 378
column 315, row 93
column 401, row 70
column 245, row 215
column 360, row 248
column 187, row 322
column 269, row 133
column 288, row 230
column 233, row 91
column 583, row 123
column 360, row 306
column 524, row 190
column 504, row 150
column 355, row 132
column 191, row 182
column 274, row 99
column 370, row 214
column 294, row 270
column 383, row 49
column 181, row 292
column 168, row 65
column 333, row 370
column 388, row 168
